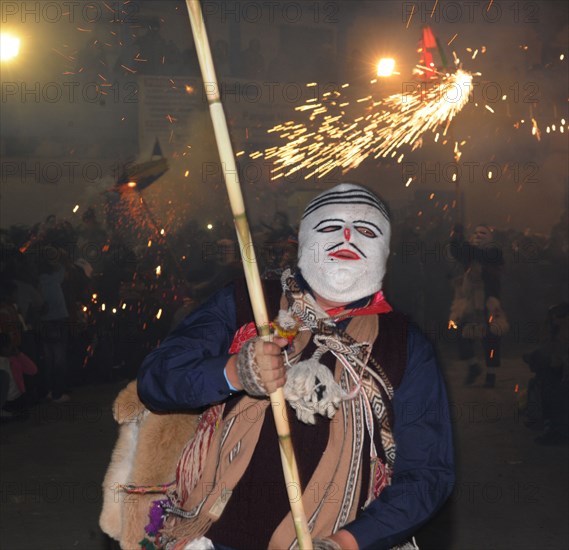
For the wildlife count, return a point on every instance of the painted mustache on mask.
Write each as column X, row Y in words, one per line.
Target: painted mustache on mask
column 344, row 253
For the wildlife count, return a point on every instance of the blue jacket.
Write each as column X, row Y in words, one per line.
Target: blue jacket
column 187, row 372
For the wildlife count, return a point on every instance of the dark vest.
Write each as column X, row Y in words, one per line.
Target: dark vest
column 259, row 501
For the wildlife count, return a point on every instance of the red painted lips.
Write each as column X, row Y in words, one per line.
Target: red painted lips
column 344, row 254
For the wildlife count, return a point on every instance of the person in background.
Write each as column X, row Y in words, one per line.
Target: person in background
column 476, row 311
column 253, row 62
column 5, row 385
column 54, row 322
column 11, row 322
column 548, row 390
column 17, row 366
column 29, row 303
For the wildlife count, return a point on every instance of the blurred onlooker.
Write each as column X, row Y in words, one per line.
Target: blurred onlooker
column 548, row 390
column 187, row 306
column 29, row 301
column 190, row 66
column 29, row 304
column 404, row 285
column 11, row 322
column 225, row 266
column 282, row 67
column 173, row 58
column 54, row 323
column 77, row 285
column 48, row 225
column 437, row 292
column 77, row 291
column 6, row 380
column 8, row 388
column 151, row 50
column 558, row 246
column 252, row 61
column 91, row 239
column 557, row 253
column 279, row 230
column 18, row 366
column 476, row 310
column 277, row 256
column 221, row 59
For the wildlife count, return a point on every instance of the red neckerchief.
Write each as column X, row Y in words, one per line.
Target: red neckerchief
column 377, row 305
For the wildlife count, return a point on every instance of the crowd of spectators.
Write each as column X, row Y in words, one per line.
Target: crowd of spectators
column 534, row 271
column 80, row 305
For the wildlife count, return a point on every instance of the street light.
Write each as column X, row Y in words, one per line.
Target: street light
column 9, row 46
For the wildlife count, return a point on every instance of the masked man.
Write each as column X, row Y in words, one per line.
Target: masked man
column 367, row 405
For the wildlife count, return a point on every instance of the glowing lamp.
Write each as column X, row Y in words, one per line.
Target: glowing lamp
column 131, row 184
column 385, row 67
column 9, row 46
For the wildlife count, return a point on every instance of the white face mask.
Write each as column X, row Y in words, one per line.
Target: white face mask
column 482, row 236
column 344, row 243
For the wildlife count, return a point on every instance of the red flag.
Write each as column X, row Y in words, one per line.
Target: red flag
column 428, row 38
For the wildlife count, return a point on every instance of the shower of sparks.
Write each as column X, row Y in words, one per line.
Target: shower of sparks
column 332, row 139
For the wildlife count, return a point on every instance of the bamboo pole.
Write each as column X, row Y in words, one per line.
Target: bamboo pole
column 250, row 265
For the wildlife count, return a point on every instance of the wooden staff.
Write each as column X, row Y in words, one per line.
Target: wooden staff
column 250, row 266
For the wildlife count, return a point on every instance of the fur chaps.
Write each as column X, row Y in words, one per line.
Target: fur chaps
column 146, row 453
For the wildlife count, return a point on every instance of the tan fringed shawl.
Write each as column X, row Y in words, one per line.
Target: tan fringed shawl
column 340, row 465
column 339, row 469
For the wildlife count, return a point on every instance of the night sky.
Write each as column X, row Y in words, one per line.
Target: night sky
column 95, row 83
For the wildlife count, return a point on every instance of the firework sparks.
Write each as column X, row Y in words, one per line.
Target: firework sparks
column 410, row 16
column 434, row 8
column 535, row 129
column 333, row 140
